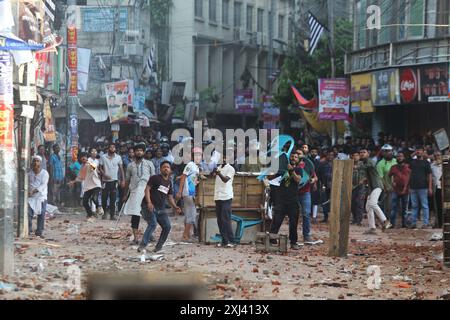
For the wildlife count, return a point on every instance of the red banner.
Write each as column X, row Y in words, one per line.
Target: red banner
column 6, row 127
column 73, row 88
column 72, row 36
column 72, row 58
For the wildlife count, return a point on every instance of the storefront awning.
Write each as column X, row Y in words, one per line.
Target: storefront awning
column 98, row 114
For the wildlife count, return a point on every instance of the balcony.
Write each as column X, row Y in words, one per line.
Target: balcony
column 424, row 51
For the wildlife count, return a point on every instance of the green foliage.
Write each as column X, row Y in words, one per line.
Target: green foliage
column 159, row 12
column 305, row 70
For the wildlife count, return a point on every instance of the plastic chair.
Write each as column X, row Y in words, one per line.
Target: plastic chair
column 242, row 224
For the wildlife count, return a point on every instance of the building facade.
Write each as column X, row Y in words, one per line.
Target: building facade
column 400, row 71
column 219, row 45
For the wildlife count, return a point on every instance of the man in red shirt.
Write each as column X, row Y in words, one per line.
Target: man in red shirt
column 400, row 174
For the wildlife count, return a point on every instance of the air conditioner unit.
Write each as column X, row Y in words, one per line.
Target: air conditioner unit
column 133, row 49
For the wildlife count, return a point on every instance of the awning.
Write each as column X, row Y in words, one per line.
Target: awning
column 98, row 114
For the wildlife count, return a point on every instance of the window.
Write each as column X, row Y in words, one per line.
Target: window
column 416, row 16
column 226, row 12
column 280, row 27
column 260, row 20
column 249, row 18
column 290, row 28
column 361, row 10
column 443, row 17
column 237, row 14
column 199, row 8
column 212, row 10
column 402, row 20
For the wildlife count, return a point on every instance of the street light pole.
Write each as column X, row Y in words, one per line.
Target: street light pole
column 334, row 132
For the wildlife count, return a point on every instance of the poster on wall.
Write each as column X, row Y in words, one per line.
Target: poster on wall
column 50, row 132
column 409, row 85
column 6, row 103
column 139, row 100
column 361, row 85
column 243, row 100
column 334, row 99
column 434, row 83
column 385, row 87
column 119, row 96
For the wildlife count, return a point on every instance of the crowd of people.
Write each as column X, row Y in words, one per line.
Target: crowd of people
column 137, row 177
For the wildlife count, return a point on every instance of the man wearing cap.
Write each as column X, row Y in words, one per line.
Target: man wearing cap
column 137, row 175
column 188, row 183
column 383, row 168
column 37, row 198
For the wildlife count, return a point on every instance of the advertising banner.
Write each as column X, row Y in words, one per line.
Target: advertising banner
column 434, row 83
column 361, row 85
column 139, row 100
column 50, row 132
column 334, row 99
column 385, row 87
column 119, row 96
column 409, row 85
column 243, row 99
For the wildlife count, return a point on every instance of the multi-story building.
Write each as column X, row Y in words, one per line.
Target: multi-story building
column 400, row 71
column 214, row 44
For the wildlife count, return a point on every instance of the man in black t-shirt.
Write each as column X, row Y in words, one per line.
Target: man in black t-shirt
column 159, row 190
column 285, row 201
column 420, row 184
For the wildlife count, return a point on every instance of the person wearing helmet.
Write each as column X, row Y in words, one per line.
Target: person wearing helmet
column 167, row 154
column 137, row 175
column 188, row 183
column 383, row 168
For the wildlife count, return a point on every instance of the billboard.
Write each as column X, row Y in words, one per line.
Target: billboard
column 385, row 87
column 243, row 100
column 433, row 83
column 409, row 85
column 119, row 96
column 361, row 86
column 334, row 99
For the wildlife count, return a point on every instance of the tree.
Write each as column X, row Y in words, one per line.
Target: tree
column 305, row 70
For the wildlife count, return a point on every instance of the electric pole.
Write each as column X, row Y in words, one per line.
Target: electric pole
column 271, row 38
column 330, row 5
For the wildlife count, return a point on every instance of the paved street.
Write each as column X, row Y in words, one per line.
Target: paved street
column 411, row 264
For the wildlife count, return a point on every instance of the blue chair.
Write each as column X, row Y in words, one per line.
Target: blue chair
column 242, row 224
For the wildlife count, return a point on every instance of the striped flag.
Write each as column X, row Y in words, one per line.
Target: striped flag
column 316, row 30
column 50, row 9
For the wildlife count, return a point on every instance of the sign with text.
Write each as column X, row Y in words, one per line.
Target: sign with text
column 6, row 79
column 434, row 83
column 361, row 85
column 102, row 19
column 385, row 87
column 6, row 127
column 334, row 99
column 243, row 100
column 119, row 96
column 409, row 85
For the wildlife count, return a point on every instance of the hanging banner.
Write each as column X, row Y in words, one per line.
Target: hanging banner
column 119, row 96
column 243, row 100
column 72, row 36
column 6, row 82
column 139, row 100
column 50, row 132
column 31, row 13
column 72, row 60
column 385, row 87
column 43, row 70
column 433, row 83
column 361, row 85
column 334, row 99
column 73, row 86
column 270, row 114
column 6, row 103
column 83, row 61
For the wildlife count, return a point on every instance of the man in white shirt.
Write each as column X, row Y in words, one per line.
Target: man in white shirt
column 110, row 165
column 37, row 198
column 91, row 185
column 223, row 196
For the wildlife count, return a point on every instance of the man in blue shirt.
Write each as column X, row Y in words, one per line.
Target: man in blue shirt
column 56, row 174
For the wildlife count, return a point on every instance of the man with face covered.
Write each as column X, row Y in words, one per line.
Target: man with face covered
column 383, row 168
column 285, row 201
column 137, row 175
